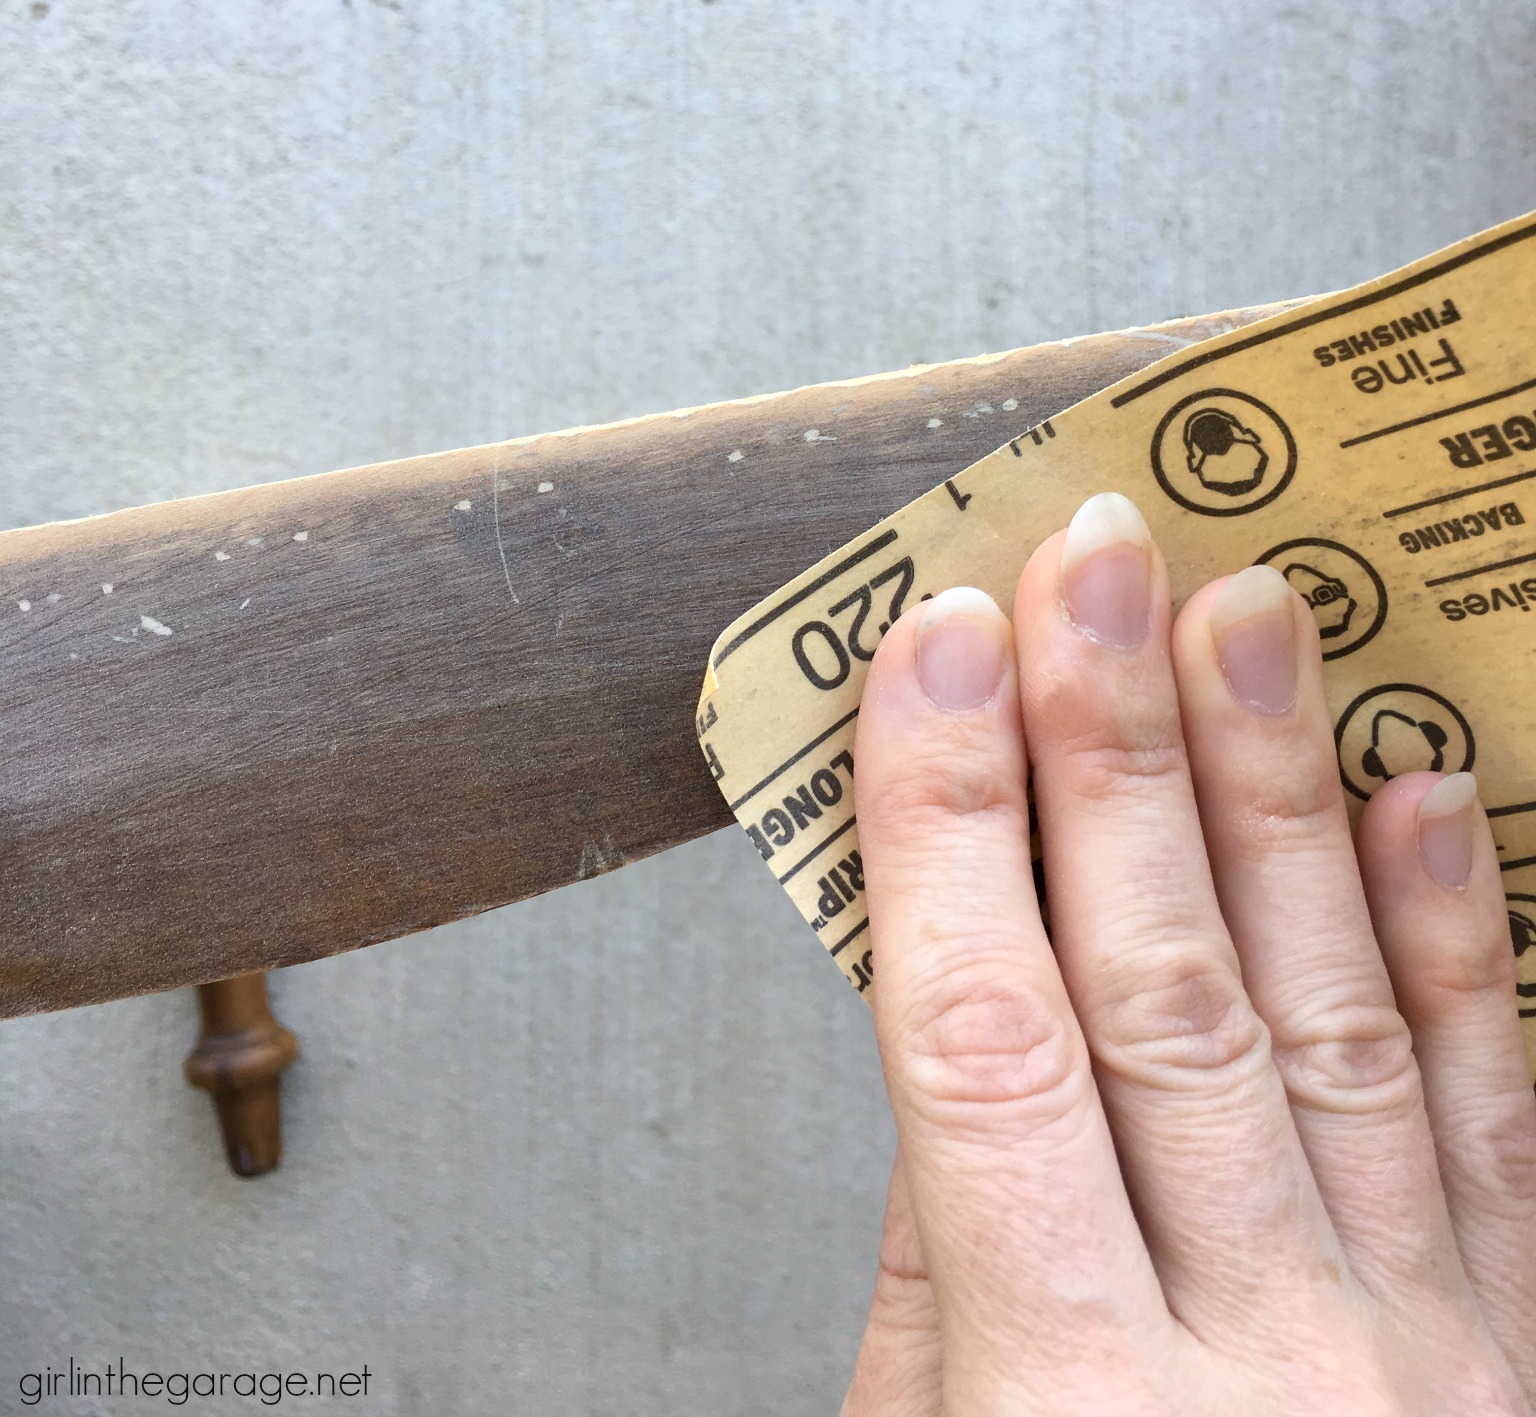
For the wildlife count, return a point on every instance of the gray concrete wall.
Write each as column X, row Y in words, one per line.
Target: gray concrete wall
column 545, row 1161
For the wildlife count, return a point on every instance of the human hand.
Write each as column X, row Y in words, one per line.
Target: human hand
column 1256, row 1137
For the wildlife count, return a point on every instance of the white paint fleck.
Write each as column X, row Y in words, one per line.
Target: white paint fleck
column 245, row 602
column 546, row 487
column 301, row 536
column 106, row 587
column 53, row 597
column 221, row 555
column 253, row 541
column 148, row 622
column 736, row 456
column 463, row 506
column 935, row 422
column 120, row 640
column 982, row 406
column 815, row 435
column 1009, row 405
column 73, row 655
column 24, row 604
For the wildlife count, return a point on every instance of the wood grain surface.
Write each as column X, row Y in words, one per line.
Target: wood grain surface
column 268, row 725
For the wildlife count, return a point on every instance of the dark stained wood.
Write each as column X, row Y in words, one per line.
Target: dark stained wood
column 240, row 1059
column 316, row 714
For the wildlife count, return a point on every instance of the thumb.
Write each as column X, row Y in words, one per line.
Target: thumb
column 900, row 1370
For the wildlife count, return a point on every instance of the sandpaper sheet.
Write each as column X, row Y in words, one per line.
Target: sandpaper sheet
column 1378, row 447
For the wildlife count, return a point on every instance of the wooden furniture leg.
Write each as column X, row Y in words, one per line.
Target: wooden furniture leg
column 240, row 1059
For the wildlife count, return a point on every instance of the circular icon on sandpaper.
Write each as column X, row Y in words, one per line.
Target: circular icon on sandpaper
column 1522, row 929
column 1222, row 453
column 1347, row 597
column 1398, row 728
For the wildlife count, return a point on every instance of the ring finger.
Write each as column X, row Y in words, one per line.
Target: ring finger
column 1266, row 775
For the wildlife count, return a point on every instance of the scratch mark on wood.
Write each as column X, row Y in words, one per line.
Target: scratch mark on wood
column 501, row 546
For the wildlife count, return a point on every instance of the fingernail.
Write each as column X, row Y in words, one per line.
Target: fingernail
column 1255, row 634
column 1445, row 829
column 961, row 649
column 1106, row 571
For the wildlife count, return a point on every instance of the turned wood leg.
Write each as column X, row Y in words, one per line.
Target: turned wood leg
column 240, row 1060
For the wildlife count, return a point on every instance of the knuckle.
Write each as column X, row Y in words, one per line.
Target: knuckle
column 1110, row 743
column 1471, row 1365
column 1350, row 1059
column 946, row 788
column 1109, row 772
column 980, row 1040
column 1512, row 1160
column 1492, row 1150
column 1473, row 972
column 902, row 1300
column 1180, row 1023
column 943, row 782
column 1280, row 813
column 900, row 1259
column 1456, row 1367
column 1097, row 1376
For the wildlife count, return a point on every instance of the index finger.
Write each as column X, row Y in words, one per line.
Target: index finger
column 1034, row 1252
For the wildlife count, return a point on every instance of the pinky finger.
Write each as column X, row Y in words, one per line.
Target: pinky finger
column 900, row 1370
column 1432, row 879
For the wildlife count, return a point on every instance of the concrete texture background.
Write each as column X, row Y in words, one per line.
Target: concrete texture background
column 546, row 1161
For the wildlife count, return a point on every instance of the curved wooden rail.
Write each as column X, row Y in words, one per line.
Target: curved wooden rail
column 260, row 727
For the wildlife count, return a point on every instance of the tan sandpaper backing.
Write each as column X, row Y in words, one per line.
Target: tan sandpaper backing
column 1378, row 447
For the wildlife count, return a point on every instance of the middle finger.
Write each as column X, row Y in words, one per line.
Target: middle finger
column 1223, row 1192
